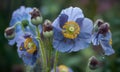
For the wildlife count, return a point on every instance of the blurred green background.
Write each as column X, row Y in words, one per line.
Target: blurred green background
column 108, row 10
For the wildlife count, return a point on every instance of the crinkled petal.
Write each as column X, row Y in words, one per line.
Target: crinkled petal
column 20, row 14
column 106, row 37
column 107, row 47
column 63, row 45
column 81, row 44
column 95, row 39
column 28, row 59
column 73, row 13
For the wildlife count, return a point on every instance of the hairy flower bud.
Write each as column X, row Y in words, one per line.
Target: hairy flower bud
column 47, row 28
column 93, row 63
column 104, row 28
column 36, row 17
column 9, row 32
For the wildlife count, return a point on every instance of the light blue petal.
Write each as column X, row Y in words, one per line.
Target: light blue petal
column 96, row 39
column 28, row 59
column 70, row 70
column 20, row 14
column 106, row 37
column 64, row 45
column 107, row 47
column 86, row 29
column 80, row 44
column 12, row 42
column 105, row 43
column 56, row 24
column 73, row 13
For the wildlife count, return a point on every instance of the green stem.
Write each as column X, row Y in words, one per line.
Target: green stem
column 49, row 47
column 56, row 60
column 29, row 69
column 42, row 51
column 17, row 23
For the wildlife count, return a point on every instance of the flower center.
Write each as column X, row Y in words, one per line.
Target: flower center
column 63, row 68
column 70, row 30
column 110, row 42
column 29, row 45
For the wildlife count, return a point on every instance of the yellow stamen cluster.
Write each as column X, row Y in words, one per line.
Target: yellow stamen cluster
column 71, row 29
column 110, row 42
column 63, row 68
column 29, row 45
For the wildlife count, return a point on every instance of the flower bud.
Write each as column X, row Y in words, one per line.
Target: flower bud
column 47, row 28
column 36, row 18
column 104, row 28
column 25, row 23
column 93, row 63
column 99, row 22
column 9, row 32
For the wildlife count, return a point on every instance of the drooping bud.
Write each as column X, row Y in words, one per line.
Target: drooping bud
column 47, row 28
column 36, row 17
column 104, row 28
column 25, row 23
column 93, row 63
column 9, row 32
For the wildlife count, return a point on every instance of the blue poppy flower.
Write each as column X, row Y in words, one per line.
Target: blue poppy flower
column 28, row 49
column 18, row 16
column 102, row 36
column 62, row 68
column 72, row 31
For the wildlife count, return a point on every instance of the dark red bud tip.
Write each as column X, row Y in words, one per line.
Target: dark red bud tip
column 104, row 28
column 93, row 63
column 47, row 26
column 9, row 31
column 35, row 13
column 99, row 22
